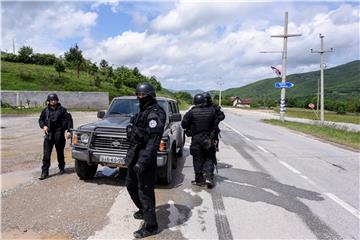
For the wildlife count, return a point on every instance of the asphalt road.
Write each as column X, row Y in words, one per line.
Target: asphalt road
column 272, row 183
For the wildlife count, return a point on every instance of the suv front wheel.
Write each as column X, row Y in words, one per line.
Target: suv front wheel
column 164, row 172
column 84, row 170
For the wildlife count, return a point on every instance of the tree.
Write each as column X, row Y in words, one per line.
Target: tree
column 184, row 96
column 44, row 59
column 156, row 83
column 104, row 63
column 75, row 57
column 25, row 54
column 59, row 66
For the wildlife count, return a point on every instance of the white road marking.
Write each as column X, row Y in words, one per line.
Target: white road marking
column 289, row 167
column 242, row 184
column 349, row 208
column 249, row 185
column 262, row 149
column 342, row 203
column 309, row 180
column 236, row 131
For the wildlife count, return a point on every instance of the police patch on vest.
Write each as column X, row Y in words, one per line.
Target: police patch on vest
column 152, row 123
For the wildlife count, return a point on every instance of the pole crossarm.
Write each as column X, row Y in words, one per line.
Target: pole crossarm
column 286, row 35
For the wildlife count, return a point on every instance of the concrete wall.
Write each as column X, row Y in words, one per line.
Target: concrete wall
column 88, row 100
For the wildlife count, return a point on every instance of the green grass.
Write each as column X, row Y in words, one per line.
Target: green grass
column 347, row 138
column 21, row 111
column 329, row 116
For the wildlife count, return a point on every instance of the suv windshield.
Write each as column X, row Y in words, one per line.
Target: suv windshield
column 127, row 107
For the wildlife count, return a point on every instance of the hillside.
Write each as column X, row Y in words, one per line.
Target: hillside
column 341, row 83
column 19, row 76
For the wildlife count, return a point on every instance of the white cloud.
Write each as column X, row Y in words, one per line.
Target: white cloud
column 44, row 25
column 191, row 45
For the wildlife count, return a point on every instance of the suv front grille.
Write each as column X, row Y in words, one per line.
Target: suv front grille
column 110, row 141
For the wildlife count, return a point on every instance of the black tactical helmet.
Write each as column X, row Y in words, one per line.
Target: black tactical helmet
column 207, row 97
column 52, row 96
column 146, row 89
column 199, row 99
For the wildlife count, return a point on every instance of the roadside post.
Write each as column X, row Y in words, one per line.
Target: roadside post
column 285, row 36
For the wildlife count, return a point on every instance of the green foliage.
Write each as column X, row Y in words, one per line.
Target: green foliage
column 9, row 57
column 43, row 59
column 104, row 64
column 75, row 58
column 339, row 136
column 20, row 76
column 59, row 66
column 183, row 96
column 25, row 54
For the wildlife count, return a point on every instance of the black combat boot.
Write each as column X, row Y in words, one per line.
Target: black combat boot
column 146, row 231
column 209, row 183
column 43, row 175
column 199, row 180
column 198, row 183
column 139, row 214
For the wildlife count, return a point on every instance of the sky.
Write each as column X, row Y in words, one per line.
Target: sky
column 205, row 45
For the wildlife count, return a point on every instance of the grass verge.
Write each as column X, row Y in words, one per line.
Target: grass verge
column 329, row 116
column 347, row 138
column 28, row 111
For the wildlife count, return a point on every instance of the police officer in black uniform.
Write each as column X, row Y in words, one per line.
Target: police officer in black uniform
column 200, row 122
column 144, row 133
column 54, row 120
column 220, row 116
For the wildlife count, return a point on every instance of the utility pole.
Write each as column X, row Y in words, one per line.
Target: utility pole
column 13, row 46
column 220, row 83
column 322, row 65
column 284, row 62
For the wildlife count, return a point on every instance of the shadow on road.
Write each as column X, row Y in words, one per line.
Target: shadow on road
column 254, row 186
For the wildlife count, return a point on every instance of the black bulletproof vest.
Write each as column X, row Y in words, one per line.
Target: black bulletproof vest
column 203, row 119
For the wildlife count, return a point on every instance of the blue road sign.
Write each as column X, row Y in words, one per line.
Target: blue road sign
column 284, row 85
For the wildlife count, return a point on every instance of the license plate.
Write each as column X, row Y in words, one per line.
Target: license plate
column 111, row 159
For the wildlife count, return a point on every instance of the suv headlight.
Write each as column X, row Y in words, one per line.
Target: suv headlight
column 80, row 138
column 84, row 138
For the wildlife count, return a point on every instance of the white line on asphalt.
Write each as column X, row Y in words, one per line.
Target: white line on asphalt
column 342, row 203
column 352, row 210
column 242, row 184
column 290, row 167
column 309, row 180
column 236, row 131
column 262, row 149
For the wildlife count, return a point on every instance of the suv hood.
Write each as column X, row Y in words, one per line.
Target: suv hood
column 109, row 122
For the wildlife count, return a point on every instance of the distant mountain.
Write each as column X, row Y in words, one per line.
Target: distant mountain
column 191, row 92
column 341, row 83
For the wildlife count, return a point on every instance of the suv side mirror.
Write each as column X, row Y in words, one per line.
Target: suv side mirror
column 176, row 117
column 101, row 114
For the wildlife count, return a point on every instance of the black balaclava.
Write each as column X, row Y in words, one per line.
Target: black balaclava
column 146, row 101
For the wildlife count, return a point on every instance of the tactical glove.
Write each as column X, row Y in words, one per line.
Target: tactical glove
column 138, row 168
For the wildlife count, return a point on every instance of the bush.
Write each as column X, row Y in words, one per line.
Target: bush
column 44, row 59
column 9, row 57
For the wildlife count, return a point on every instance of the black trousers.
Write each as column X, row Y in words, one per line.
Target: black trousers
column 202, row 158
column 56, row 138
column 141, row 189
